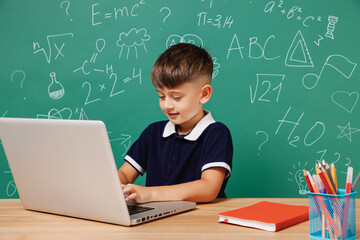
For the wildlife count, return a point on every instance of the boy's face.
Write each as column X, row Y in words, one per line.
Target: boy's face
column 183, row 105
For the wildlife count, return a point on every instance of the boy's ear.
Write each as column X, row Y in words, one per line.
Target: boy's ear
column 206, row 92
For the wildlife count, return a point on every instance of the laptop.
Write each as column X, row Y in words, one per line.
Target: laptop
column 67, row 167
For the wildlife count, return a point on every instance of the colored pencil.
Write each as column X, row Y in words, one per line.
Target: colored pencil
column 333, row 174
column 306, row 176
column 347, row 199
column 356, row 182
column 328, row 171
column 316, row 168
column 325, row 182
column 332, row 190
column 325, row 210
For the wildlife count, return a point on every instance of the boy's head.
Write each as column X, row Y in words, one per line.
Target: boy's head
column 182, row 63
column 182, row 77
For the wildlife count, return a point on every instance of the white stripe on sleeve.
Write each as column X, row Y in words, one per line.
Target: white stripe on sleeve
column 217, row 164
column 135, row 164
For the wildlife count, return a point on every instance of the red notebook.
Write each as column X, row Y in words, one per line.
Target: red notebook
column 266, row 215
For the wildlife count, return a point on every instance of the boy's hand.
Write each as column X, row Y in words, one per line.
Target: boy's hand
column 137, row 193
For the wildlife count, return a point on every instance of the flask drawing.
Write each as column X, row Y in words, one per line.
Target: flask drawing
column 55, row 89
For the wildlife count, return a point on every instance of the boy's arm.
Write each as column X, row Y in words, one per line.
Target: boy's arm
column 204, row 190
column 127, row 173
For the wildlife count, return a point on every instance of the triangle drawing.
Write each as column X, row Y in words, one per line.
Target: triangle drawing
column 298, row 54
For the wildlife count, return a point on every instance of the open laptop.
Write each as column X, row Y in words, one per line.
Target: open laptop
column 67, row 167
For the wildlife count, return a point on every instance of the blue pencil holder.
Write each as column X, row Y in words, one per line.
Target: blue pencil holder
column 332, row 216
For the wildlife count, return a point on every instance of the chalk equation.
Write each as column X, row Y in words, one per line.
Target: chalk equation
column 56, row 41
column 97, row 16
column 218, row 21
column 270, row 83
column 293, row 12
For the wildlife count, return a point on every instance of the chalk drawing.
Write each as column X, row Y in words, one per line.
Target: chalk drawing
column 338, row 62
column 132, row 40
column 318, row 41
column 298, row 54
column 345, row 100
column 67, row 3
column 4, row 113
column 54, row 113
column 22, row 77
column 55, row 89
column 298, row 177
column 187, row 38
column 264, row 141
column 125, row 142
column 168, row 14
column 331, row 26
column 347, row 131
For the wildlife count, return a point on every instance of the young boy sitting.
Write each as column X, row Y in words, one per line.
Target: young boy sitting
column 188, row 157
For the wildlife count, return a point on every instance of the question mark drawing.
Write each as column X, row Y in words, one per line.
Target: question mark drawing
column 267, row 138
column 18, row 72
column 67, row 7
column 166, row 15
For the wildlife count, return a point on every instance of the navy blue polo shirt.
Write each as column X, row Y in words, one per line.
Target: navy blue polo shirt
column 169, row 158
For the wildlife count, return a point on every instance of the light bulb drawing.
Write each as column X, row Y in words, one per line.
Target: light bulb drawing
column 298, row 176
column 300, row 181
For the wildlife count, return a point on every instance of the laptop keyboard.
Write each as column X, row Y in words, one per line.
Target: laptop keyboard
column 134, row 209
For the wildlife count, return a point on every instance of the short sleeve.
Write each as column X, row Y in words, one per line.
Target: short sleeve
column 218, row 150
column 137, row 154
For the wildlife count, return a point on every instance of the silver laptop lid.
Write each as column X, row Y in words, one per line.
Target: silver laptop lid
column 64, row 167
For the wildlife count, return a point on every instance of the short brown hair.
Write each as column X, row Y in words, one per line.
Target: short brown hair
column 181, row 63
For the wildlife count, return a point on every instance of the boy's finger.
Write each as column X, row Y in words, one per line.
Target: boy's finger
column 127, row 189
column 131, row 197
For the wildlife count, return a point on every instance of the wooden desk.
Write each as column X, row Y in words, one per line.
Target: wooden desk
column 201, row 223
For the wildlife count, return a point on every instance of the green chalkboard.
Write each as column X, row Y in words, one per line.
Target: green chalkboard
column 286, row 77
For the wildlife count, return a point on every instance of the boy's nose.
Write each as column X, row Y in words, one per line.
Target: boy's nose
column 168, row 105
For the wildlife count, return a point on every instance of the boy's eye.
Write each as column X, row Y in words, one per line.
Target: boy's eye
column 177, row 98
column 162, row 97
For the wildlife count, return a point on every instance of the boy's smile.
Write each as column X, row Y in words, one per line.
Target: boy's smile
column 183, row 105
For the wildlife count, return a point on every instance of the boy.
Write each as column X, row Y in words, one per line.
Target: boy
column 190, row 156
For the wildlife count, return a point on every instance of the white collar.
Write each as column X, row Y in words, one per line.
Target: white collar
column 196, row 132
